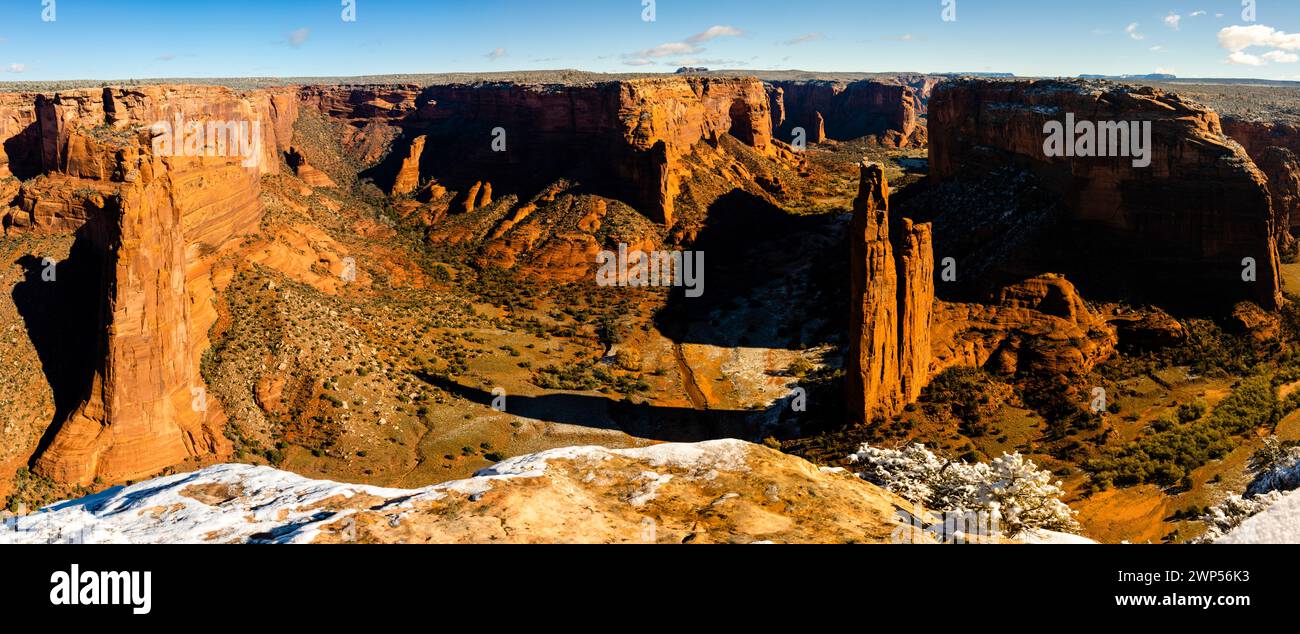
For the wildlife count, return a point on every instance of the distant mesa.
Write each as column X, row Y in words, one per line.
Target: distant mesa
column 1148, row 76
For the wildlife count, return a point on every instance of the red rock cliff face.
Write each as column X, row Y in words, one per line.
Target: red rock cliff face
column 373, row 114
column 20, row 155
column 1187, row 221
column 638, row 130
column 885, row 110
column 1273, row 147
column 892, row 271
column 154, row 223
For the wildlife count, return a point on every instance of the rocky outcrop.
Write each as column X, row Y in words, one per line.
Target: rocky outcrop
column 884, row 110
column 818, row 133
column 1189, row 221
column 636, row 132
column 371, row 115
column 1256, row 135
column 149, row 219
column 922, row 87
column 306, row 171
column 722, row 491
column 20, row 155
column 1036, row 326
column 776, row 105
column 408, row 174
column 1274, row 147
column 1282, row 168
column 1149, row 330
column 892, row 273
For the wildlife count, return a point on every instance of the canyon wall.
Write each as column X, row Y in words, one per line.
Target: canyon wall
column 1273, row 146
column 885, row 110
column 151, row 225
column 20, row 155
column 892, row 272
column 1186, row 224
column 634, row 131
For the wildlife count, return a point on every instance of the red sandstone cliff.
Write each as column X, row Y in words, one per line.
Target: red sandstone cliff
column 154, row 223
column 1188, row 221
column 885, row 110
column 1273, row 146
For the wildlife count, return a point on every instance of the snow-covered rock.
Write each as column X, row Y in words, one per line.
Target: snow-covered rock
column 1278, row 524
column 718, row 491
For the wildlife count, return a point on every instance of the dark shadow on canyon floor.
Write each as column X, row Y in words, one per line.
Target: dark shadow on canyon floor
column 669, row 424
column 772, row 279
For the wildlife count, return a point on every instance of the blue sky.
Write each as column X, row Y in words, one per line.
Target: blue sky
column 122, row 39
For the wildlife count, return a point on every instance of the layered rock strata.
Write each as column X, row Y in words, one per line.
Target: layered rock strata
column 892, row 273
column 1197, row 221
column 152, row 218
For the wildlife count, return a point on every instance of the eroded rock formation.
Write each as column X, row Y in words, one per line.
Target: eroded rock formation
column 1037, row 326
column 1185, row 225
column 636, row 131
column 151, row 223
column 1282, row 168
column 1273, row 146
column 306, row 171
column 892, row 272
column 885, row 110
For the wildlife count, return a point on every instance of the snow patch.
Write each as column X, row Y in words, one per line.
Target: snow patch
column 1278, row 524
column 266, row 505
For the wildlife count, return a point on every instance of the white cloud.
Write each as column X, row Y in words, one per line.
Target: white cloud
column 702, row 61
column 806, row 37
column 1173, row 21
column 1240, row 38
column 1196, row 14
column 715, row 32
column 668, row 50
column 1239, row 58
column 496, row 54
column 13, row 68
column 1157, row 48
column 299, row 37
column 1132, row 31
column 166, row 57
column 1282, row 57
column 678, row 49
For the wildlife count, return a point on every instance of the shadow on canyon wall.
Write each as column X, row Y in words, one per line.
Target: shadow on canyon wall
column 60, row 304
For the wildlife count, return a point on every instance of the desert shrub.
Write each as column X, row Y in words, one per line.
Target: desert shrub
column 1175, row 447
column 1188, row 412
column 1012, row 489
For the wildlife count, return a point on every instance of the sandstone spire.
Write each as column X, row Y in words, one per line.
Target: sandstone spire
column 892, row 304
